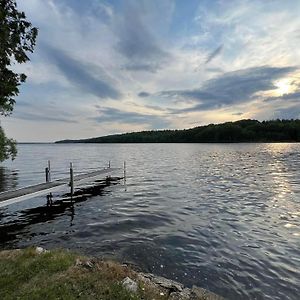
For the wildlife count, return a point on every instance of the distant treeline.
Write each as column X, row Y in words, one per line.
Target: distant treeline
column 229, row 132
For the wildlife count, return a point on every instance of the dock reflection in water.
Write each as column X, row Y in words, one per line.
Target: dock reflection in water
column 55, row 206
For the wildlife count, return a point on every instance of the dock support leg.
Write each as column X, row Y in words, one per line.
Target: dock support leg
column 49, row 171
column 71, row 180
column 47, row 174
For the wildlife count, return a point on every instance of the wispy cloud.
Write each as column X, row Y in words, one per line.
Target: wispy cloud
column 214, row 54
column 144, row 94
column 46, row 112
column 108, row 114
column 291, row 97
column 42, row 117
column 230, row 88
column 137, row 43
column 291, row 112
column 89, row 78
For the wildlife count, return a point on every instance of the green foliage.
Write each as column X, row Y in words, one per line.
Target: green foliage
column 17, row 38
column 7, row 147
column 230, row 132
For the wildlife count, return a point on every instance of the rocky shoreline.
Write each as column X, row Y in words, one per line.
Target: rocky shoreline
column 83, row 276
column 172, row 290
column 176, row 290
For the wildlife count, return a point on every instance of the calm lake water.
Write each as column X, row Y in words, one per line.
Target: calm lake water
column 225, row 217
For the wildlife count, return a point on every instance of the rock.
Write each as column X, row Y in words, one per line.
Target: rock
column 168, row 284
column 175, row 290
column 130, row 285
column 183, row 295
column 199, row 293
column 148, row 282
column 89, row 264
column 40, row 250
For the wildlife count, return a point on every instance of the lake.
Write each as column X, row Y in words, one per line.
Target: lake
column 225, row 217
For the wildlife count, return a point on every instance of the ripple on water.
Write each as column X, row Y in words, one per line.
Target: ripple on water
column 222, row 216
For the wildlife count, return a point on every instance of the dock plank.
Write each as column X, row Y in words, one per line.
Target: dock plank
column 25, row 193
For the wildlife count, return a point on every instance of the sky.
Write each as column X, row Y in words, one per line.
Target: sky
column 106, row 67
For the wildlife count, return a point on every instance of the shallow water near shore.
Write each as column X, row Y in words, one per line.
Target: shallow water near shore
column 225, row 217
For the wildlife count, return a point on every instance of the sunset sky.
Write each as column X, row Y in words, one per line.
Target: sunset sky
column 105, row 67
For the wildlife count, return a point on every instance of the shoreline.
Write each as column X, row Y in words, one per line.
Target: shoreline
column 35, row 273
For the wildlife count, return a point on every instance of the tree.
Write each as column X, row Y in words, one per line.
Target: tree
column 17, row 38
column 7, row 146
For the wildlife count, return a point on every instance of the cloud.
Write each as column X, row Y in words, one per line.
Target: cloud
column 110, row 115
column 95, row 51
column 230, row 88
column 214, row 54
column 143, row 94
column 291, row 97
column 137, row 43
column 89, row 78
column 147, row 67
column 36, row 117
column 292, row 112
column 94, row 8
column 214, row 70
column 45, row 112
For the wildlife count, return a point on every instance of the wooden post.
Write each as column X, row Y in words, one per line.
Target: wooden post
column 109, row 164
column 71, row 180
column 49, row 171
column 47, row 174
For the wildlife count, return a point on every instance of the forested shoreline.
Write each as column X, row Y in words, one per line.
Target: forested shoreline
column 229, row 132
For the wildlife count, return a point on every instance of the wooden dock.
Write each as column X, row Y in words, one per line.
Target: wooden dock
column 10, row 197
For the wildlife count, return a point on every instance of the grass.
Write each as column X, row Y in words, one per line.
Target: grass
column 24, row 274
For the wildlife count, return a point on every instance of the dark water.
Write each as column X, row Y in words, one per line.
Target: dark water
column 225, row 217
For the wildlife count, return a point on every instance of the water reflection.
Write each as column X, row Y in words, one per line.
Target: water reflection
column 55, row 205
column 8, row 179
column 284, row 201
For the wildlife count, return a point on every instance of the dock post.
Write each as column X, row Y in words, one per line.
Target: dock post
column 71, row 180
column 49, row 171
column 47, row 174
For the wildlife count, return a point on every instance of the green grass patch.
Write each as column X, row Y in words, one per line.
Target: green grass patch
column 56, row 275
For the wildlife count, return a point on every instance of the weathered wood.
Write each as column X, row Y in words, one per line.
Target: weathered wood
column 25, row 193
